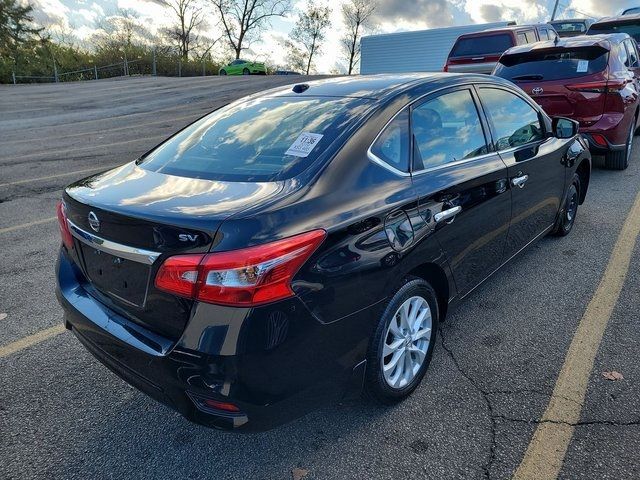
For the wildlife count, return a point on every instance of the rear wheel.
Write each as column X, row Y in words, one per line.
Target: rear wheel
column 567, row 217
column 245, row 71
column 619, row 160
column 222, row 72
column 403, row 341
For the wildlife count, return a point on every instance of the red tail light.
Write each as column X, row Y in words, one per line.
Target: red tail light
column 604, row 86
column 246, row 277
column 65, row 233
column 600, row 140
column 446, row 67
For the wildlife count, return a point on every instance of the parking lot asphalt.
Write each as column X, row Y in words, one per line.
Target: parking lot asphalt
column 495, row 367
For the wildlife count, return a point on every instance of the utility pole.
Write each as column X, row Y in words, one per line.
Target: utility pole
column 555, row 10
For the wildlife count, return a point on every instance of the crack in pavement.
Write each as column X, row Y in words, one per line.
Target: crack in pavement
column 493, row 416
column 486, row 468
column 577, row 424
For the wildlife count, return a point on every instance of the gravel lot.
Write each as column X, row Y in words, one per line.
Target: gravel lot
column 63, row 415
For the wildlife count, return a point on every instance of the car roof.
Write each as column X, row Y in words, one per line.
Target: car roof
column 620, row 18
column 376, row 86
column 603, row 41
column 567, row 20
column 508, row 28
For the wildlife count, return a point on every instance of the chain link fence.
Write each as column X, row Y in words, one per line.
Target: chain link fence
column 150, row 64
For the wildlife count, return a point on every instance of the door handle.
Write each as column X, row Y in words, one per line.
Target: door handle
column 447, row 214
column 519, row 181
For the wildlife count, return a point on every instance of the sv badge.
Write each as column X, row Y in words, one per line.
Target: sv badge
column 187, row 237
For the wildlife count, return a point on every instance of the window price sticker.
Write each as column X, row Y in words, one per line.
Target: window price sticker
column 583, row 66
column 304, row 144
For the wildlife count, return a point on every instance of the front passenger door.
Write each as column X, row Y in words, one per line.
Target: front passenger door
column 462, row 186
column 535, row 162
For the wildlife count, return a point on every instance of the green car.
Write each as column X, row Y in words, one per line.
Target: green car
column 242, row 67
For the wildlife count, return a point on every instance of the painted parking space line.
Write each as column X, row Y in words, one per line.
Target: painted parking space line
column 29, row 224
column 57, row 175
column 546, row 451
column 71, row 151
column 31, row 340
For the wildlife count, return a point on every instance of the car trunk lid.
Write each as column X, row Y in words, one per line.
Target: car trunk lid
column 126, row 221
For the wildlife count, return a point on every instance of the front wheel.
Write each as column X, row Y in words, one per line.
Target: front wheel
column 222, row 72
column 403, row 341
column 245, row 71
column 567, row 216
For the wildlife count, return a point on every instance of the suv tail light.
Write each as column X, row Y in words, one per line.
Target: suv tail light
column 247, row 277
column 65, row 233
column 604, row 86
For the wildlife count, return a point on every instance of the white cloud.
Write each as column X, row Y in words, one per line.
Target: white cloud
column 598, row 8
column 522, row 11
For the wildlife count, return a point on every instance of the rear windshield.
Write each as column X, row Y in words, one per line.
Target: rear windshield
column 263, row 139
column 632, row 28
column 570, row 27
column 482, row 45
column 552, row 65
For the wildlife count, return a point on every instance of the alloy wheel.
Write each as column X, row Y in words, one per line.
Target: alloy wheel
column 406, row 342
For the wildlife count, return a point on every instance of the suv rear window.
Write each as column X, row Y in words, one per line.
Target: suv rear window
column 632, row 28
column 553, row 65
column 482, row 45
column 570, row 27
column 256, row 140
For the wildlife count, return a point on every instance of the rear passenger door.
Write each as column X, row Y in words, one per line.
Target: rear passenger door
column 462, row 186
column 535, row 162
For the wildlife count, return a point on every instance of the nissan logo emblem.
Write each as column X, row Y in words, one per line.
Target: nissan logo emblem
column 94, row 223
column 537, row 91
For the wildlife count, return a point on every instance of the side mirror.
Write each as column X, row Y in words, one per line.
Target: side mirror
column 564, row 127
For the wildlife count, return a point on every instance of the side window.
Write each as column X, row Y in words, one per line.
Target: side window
column 392, row 146
column 633, row 53
column 446, row 129
column 544, row 34
column 552, row 34
column 514, row 121
column 522, row 39
column 622, row 53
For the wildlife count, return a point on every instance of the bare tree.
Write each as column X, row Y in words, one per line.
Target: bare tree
column 189, row 16
column 243, row 20
column 120, row 31
column 307, row 36
column 356, row 16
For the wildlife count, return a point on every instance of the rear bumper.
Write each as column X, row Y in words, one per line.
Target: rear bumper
column 613, row 128
column 274, row 368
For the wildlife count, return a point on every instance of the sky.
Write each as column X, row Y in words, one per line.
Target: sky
column 80, row 17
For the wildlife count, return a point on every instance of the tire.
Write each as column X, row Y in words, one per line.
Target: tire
column 246, row 71
column 567, row 216
column 619, row 159
column 222, row 72
column 397, row 381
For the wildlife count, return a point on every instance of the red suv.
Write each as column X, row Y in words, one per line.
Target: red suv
column 591, row 79
column 478, row 52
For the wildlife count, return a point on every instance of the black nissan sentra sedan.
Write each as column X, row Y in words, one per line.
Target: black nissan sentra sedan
column 296, row 245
